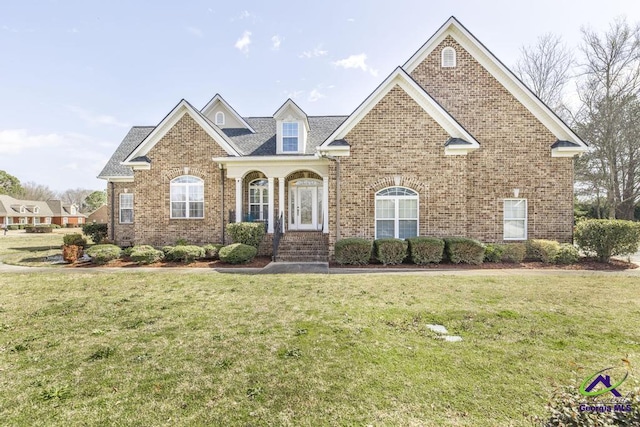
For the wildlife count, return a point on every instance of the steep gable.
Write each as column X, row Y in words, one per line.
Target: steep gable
column 475, row 83
column 221, row 114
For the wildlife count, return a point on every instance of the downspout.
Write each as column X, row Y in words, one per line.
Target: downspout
column 223, row 211
column 113, row 207
column 337, row 198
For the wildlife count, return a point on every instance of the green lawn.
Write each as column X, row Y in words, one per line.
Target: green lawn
column 302, row 350
column 21, row 248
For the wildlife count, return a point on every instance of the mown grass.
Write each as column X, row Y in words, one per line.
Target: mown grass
column 302, row 350
column 21, row 248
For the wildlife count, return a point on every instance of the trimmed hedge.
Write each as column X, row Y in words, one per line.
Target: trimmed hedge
column 353, row 251
column 390, row 251
column 493, row 252
column 145, row 254
column 237, row 253
column 211, row 251
column 542, row 250
column 102, row 254
column 567, row 254
column 39, row 229
column 184, row 253
column 74, row 239
column 425, row 250
column 464, row 250
column 97, row 232
column 605, row 238
column 514, row 252
column 248, row 233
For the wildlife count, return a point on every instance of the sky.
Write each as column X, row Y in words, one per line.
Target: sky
column 75, row 75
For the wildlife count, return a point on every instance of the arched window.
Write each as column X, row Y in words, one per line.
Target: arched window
column 259, row 200
column 187, row 197
column 219, row 118
column 448, row 57
column 396, row 213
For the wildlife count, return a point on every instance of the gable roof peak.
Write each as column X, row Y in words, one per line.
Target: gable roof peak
column 290, row 106
column 219, row 100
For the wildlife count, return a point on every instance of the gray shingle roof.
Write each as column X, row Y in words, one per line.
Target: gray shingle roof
column 135, row 136
column 260, row 143
column 263, row 141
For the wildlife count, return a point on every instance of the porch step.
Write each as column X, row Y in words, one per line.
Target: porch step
column 303, row 246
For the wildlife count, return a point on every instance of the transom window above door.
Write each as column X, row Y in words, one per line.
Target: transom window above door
column 396, row 213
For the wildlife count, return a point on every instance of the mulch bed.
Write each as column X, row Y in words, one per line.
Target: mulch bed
column 582, row 264
column 257, row 262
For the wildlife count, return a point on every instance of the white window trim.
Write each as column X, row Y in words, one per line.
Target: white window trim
column 188, row 202
column 396, row 219
column 264, row 206
column 47, row 220
column 525, row 219
column 443, row 63
column 65, row 220
column 219, row 118
column 121, row 209
column 36, row 220
column 297, row 123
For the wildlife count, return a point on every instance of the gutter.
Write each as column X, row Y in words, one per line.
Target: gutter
column 113, row 207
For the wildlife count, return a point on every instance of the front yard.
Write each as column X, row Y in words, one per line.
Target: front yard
column 214, row 349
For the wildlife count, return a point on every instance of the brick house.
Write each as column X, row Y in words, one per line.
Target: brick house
column 450, row 144
column 36, row 212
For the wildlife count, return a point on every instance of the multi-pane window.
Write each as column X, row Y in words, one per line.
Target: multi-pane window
column 36, row 220
column 290, row 136
column 396, row 213
column 187, row 197
column 515, row 219
column 47, row 220
column 259, row 200
column 126, row 208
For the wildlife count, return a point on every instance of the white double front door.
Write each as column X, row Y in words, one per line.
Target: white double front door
column 305, row 205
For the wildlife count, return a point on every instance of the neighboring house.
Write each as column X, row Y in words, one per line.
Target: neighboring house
column 450, row 144
column 35, row 212
column 100, row 215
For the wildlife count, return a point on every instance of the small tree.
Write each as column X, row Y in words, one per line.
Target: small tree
column 606, row 238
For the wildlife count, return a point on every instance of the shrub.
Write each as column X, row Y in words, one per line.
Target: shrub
column 13, row 227
column 102, row 254
column 237, row 253
column 605, row 238
column 185, row 253
column 97, row 232
column 353, row 251
column 145, row 254
column 514, row 252
column 493, row 252
column 567, row 254
column 564, row 410
column 167, row 251
column 462, row 249
column 211, row 251
column 71, row 253
column 127, row 251
column 182, row 242
column 248, row 233
column 542, row 250
column 74, row 239
column 390, row 251
column 423, row 250
column 39, row 229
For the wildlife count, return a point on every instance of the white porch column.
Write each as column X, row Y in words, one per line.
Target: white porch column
column 281, row 200
column 238, row 199
column 271, row 200
column 325, row 204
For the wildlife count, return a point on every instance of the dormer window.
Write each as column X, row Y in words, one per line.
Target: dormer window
column 290, row 137
column 23, row 209
column 219, row 118
column 448, row 57
column 36, row 210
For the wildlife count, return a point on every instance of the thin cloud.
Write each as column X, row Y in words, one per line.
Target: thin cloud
column 293, row 94
column 315, row 95
column 316, row 52
column 356, row 61
column 244, row 14
column 276, row 41
column 197, row 32
column 242, row 44
column 94, row 119
column 14, row 141
column 351, row 20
